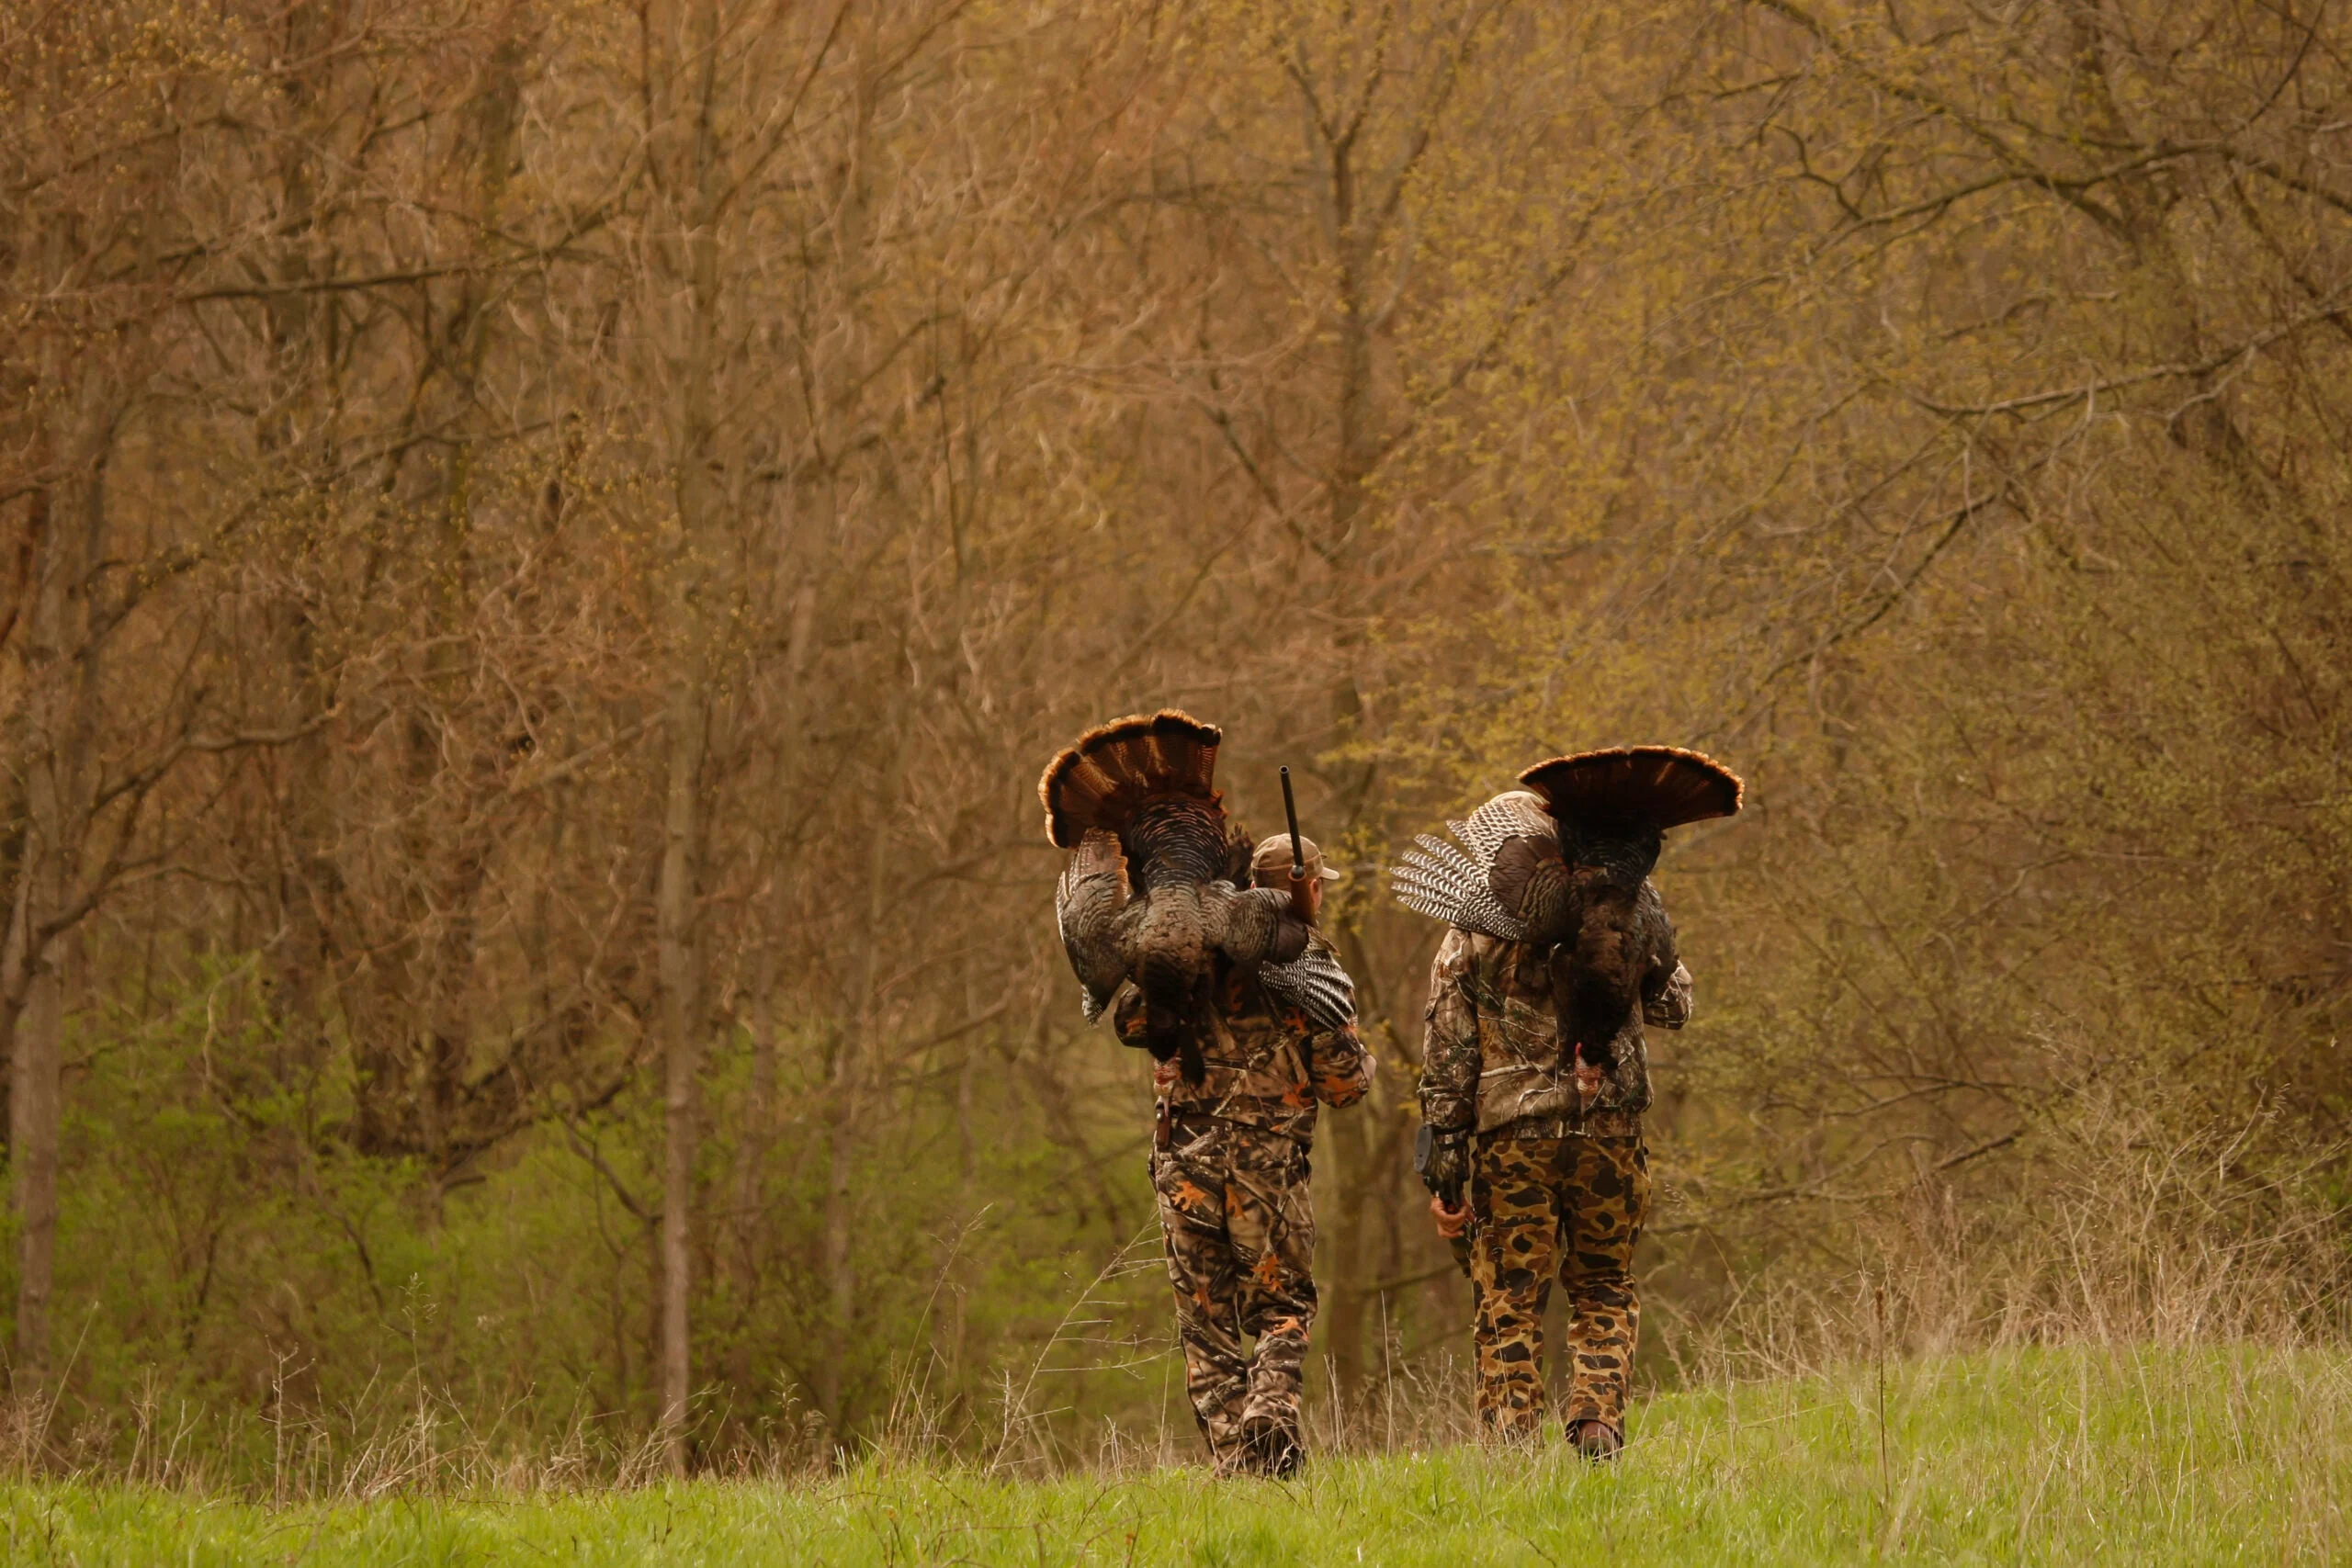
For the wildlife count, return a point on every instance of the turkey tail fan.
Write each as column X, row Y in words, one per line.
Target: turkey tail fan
column 1110, row 771
column 1641, row 787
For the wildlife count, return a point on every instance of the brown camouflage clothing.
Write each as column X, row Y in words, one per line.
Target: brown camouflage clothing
column 1492, row 1054
column 1559, row 1176
column 1573, row 1206
column 1241, row 1245
column 1229, row 1165
column 1267, row 1067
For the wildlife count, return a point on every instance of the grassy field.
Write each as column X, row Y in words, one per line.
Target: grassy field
column 2243, row 1455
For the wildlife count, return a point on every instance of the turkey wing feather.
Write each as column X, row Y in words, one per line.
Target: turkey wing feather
column 1506, row 880
column 1257, row 926
column 1315, row 983
column 1089, row 904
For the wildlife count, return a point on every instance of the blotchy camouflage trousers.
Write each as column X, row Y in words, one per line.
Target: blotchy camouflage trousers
column 1240, row 1240
column 1572, row 1206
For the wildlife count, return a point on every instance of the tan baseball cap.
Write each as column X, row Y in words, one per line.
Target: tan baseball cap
column 1269, row 865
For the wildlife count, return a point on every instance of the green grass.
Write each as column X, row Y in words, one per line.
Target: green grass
column 2126, row 1456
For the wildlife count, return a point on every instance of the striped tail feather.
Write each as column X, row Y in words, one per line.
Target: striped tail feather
column 1102, row 779
column 1651, row 788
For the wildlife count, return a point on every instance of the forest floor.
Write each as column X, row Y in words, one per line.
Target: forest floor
column 2113, row 1455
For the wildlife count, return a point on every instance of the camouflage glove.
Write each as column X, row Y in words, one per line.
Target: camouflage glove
column 1442, row 1155
column 1670, row 1009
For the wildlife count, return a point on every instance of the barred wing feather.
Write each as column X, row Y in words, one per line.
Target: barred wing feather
column 1436, row 879
column 1515, row 814
column 1316, row 983
column 1506, row 880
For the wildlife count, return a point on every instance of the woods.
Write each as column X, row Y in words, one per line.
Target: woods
column 543, row 546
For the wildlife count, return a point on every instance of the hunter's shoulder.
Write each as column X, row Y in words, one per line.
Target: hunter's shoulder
column 1491, row 957
column 1459, row 951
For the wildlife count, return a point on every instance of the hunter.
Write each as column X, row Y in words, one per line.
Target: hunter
column 1229, row 1166
column 1538, row 1169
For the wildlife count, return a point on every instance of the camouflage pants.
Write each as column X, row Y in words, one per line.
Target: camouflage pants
column 1240, row 1240
column 1573, row 1206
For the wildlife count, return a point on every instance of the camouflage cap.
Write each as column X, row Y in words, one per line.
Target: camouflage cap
column 1270, row 864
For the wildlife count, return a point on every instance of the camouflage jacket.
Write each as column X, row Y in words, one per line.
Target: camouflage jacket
column 1268, row 1070
column 1492, row 1056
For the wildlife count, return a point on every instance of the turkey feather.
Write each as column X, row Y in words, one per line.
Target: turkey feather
column 1563, row 866
column 1316, row 983
column 1151, row 892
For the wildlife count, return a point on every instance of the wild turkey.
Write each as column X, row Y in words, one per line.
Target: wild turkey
column 1154, row 891
column 1565, row 864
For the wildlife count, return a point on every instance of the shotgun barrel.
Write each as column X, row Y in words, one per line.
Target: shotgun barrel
column 1290, row 810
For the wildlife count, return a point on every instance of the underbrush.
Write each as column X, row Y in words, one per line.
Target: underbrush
column 2238, row 1453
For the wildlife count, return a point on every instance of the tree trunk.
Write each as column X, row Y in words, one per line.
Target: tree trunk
column 698, row 602
column 840, row 1266
column 62, row 670
column 837, row 1265
column 34, row 1115
column 1356, row 1188
column 682, row 1045
column 784, row 722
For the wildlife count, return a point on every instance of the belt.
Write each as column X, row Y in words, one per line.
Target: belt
column 1593, row 1124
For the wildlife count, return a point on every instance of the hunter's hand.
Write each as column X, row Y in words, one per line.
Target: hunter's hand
column 1445, row 1168
column 1451, row 1219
